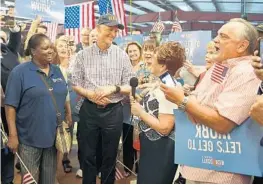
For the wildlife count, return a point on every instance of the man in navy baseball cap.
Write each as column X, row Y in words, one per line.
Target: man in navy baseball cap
column 110, row 20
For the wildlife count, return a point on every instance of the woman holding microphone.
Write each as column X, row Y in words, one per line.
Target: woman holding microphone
column 157, row 119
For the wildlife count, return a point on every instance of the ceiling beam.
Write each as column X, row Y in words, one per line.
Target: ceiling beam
column 189, row 27
column 166, row 5
column 69, row 2
column 216, row 5
column 193, row 16
column 139, row 7
column 191, row 5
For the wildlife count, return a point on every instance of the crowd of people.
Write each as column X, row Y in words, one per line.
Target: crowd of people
column 90, row 84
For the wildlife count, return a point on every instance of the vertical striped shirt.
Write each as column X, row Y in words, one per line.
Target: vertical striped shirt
column 93, row 68
column 232, row 98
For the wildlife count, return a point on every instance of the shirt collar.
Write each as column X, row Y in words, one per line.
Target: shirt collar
column 34, row 67
column 98, row 50
column 235, row 61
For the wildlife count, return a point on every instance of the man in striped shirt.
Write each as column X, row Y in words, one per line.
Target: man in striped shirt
column 101, row 74
column 257, row 109
column 223, row 99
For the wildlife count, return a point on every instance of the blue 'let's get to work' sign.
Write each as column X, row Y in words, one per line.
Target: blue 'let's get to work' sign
column 49, row 10
column 195, row 43
column 238, row 152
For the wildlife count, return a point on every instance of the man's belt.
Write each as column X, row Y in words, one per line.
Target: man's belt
column 109, row 106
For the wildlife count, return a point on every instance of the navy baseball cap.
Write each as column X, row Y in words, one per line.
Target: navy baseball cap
column 110, row 20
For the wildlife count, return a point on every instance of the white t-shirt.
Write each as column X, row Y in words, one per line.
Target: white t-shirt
column 155, row 103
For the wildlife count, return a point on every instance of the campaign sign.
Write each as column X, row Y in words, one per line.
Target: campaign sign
column 49, row 10
column 199, row 146
column 195, row 43
column 123, row 41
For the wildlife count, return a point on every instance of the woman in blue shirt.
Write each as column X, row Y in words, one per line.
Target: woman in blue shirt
column 30, row 112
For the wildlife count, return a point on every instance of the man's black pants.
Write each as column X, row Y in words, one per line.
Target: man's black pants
column 7, row 158
column 80, row 155
column 7, row 167
column 108, row 122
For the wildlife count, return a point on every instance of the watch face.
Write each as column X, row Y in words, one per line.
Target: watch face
column 118, row 89
column 183, row 104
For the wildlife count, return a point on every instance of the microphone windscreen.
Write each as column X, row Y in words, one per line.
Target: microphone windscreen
column 134, row 82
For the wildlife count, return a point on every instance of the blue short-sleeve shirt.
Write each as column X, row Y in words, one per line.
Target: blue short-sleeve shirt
column 35, row 111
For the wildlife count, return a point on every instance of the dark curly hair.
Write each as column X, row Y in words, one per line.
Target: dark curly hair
column 34, row 42
column 171, row 54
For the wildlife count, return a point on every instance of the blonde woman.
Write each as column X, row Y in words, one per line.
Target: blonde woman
column 209, row 59
column 62, row 60
column 134, row 51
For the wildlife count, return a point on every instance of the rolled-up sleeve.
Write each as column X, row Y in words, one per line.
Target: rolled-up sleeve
column 238, row 96
column 127, row 72
column 76, row 70
column 14, row 89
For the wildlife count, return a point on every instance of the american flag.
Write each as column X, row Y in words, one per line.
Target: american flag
column 176, row 25
column 28, row 179
column 158, row 27
column 219, row 73
column 118, row 174
column 115, row 7
column 79, row 16
column 51, row 30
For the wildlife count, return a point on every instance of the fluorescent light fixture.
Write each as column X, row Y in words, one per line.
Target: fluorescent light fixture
column 218, row 22
column 140, row 24
column 182, row 5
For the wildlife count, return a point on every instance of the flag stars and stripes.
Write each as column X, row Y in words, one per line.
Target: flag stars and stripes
column 118, row 174
column 115, row 7
column 28, row 179
column 52, row 29
column 219, row 73
column 176, row 26
column 158, row 27
column 72, row 17
column 79, row 16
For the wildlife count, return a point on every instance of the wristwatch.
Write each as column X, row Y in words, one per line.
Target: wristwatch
column 182, row 105
column 118, row 89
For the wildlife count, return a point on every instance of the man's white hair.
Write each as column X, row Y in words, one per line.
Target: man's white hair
column 249, row 33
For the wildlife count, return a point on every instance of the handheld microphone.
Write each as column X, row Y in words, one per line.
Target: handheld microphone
column 134, row 83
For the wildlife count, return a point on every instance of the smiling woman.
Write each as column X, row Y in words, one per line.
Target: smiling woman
column 134, row 51
column 30, row 112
